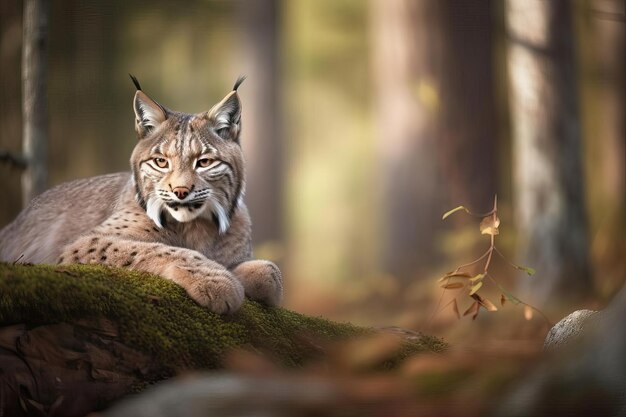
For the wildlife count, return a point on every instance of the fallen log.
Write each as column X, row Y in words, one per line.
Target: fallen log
column 73, row 339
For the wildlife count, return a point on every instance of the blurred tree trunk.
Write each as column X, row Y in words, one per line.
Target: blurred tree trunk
column 11, row 17
column 34, row 98
column 405, row 54
column 467, row 120
column 260, row 25
column 548, row 180
column 607, row 19
column 607, row 71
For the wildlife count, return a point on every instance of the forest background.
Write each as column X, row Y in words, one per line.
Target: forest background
column 363, row 122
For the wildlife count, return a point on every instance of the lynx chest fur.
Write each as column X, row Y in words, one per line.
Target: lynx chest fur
column 179, row 213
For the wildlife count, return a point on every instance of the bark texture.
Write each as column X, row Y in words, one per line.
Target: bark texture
column 547, row 177
column 262, row 138
column 404, row 63
column 34, row 98
column 467, row 122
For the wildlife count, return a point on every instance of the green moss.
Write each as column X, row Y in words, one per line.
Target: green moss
column 409, row 348
column 156, row 316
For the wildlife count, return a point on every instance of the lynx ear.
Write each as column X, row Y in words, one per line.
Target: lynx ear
column 148, row 113
column 226, row 115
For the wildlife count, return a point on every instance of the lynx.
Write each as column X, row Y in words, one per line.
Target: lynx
column 179, row 213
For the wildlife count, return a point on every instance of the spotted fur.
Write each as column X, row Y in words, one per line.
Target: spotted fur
column 179, row 213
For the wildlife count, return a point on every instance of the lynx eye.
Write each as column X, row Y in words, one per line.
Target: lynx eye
column 207, row 163
column 161, row 162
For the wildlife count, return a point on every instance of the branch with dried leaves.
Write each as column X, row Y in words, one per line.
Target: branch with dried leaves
column 469, row 277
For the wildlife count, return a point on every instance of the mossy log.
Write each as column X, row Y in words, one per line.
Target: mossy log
column 75, row 338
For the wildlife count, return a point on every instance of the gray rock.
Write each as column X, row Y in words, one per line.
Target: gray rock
column 584, row 378
column 229, row 395
column 567, row 329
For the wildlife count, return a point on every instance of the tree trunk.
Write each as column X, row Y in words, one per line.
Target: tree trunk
column 11, row 13
column 467, row 120
column 605, row 129
column 262, row 131
column 548, row 180
column 405, row 51
column 34, row 98
column 608, row 72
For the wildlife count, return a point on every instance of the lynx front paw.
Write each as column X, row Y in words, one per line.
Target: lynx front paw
column 218, row 291
column 261, row 280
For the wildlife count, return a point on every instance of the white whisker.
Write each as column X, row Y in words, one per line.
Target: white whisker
column 222, row 217
column 154, row 207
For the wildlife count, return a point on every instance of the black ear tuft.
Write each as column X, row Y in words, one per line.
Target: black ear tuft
column 135, row 81
column 238, row 82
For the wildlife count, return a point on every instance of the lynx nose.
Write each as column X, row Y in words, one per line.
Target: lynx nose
column 181, row 192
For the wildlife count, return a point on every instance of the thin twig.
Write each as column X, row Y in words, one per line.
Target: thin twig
column 438, row 308
column 480, row 215
column 518, row 300
column 492, row 236
column 432, row 316
column 489, row 255
column 491, row 248
column 504, row 257
column 473, row 262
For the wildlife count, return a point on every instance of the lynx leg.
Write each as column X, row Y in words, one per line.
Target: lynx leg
column 209, row 286
column 261, row 280
column 208, row 283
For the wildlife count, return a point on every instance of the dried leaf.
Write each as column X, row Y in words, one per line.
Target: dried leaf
column 473, row 309
column 489, row 306
column 509, row 297
column 455, row 308
column 528, row 312
column 454, row 210
column 502, row 299
column 476, row 287
column 458, row 275
column 478, row 277
column 453, row 286
column 454, row 275
column 489, row 225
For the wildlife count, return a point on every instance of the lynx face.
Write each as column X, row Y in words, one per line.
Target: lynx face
column 188, row 165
